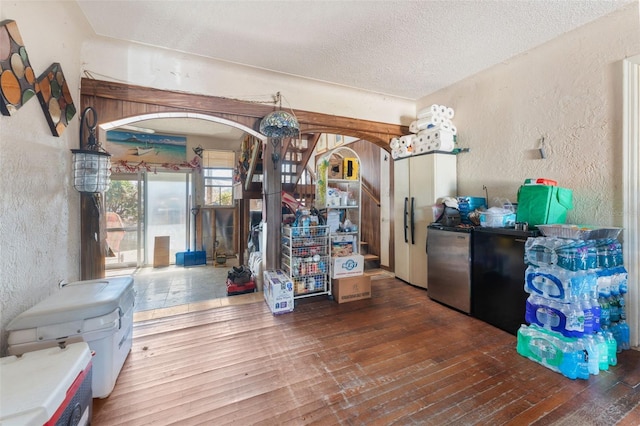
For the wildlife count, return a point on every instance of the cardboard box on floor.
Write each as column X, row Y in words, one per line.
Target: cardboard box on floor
column 351, row 288
column 347, row 266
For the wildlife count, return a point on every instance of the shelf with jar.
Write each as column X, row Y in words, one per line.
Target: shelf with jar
column 306, row 258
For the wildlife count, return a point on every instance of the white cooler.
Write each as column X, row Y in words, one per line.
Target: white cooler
column 99, row 312
column 50, row 386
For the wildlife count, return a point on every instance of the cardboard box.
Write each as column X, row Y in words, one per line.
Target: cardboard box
column 353, row 288
column 343, row 245
column 161, row 250
column 278, row 291
column 347, row 266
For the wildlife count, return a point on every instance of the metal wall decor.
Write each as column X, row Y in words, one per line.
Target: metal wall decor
column 18, row 83
column 17, row 79
column 55, row 99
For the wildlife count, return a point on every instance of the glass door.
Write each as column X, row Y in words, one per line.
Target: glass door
column 168, row 210
column 125, row 213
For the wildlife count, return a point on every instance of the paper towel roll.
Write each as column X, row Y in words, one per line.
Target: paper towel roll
column 395, row 143
column 443, row 145
column 454, row 129
column 395, row 153
column 450, row 113
column 441, row 127
column 413, row 127
column 426, row 122
column 433, row 109
column 442, row 110
column 425, row 136
column 406, row 140
column 444, row 126
column 421, row 149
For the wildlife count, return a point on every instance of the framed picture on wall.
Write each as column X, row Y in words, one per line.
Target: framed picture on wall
column 150, row 148
column 331, row 141
column 321, row 146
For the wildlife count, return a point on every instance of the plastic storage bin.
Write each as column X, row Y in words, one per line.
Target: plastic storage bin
column 99, row 312
column 49, row 386
column 191, row 258
column 467, row 205
column 494, row 220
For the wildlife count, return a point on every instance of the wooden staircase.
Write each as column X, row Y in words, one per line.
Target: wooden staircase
column 294, row 157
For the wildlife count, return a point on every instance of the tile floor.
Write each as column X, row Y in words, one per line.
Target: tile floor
column 177, row 289
column 174, row 289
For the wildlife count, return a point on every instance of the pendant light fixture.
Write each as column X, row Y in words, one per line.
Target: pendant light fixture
column 91, row 164
column 278, row 125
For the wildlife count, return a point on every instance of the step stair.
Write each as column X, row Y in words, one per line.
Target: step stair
column 371, row 261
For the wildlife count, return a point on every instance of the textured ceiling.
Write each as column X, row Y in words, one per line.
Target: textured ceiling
column 407, row 49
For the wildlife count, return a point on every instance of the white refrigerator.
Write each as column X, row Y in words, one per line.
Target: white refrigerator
column 418, row 183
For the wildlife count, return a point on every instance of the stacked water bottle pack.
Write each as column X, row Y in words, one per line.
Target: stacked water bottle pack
column 576, row 305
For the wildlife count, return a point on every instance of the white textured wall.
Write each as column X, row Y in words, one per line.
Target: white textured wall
column 39, row 209
column 113, row 60
column 568, row 90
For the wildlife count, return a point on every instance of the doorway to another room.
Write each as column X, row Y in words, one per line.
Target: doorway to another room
column 145, row 205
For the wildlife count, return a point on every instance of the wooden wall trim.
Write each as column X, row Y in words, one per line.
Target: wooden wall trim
column 248, row 113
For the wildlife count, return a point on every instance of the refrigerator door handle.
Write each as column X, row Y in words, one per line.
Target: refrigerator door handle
column 413, row 226
column 406, row 200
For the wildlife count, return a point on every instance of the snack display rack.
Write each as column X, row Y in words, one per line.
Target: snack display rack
column 306, row 259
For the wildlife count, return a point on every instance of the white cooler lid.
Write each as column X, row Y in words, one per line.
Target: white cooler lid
column 77, row 301
column 35, row 385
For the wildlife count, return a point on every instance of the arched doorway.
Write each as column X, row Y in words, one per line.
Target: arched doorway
column 150, row 197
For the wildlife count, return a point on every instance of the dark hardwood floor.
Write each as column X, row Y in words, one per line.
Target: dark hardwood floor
column 397, row 358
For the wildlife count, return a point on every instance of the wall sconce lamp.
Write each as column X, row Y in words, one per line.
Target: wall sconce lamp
column 92, row 164
column 278, row 125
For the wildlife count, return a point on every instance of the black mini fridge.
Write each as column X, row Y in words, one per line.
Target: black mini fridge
column 497, row 289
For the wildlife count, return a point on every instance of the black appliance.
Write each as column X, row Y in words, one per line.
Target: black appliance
column 497, row 291
column 449, row 265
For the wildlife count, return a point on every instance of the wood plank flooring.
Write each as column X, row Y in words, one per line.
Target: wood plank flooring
column 395, row 359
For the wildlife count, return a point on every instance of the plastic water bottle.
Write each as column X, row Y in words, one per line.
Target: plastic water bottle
column 592, row 352
column 587, row 309
column 541, row 251
column 575, row 318
column 624, row 335
column 605, row 318
column 583, row 359
column 604, row 282
column 531, row 306
column 614, row 308
column 595, row 307
column 621, row 278
column 603, row 352
column 622, row 302
column 617, row 334
column 612, row 348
